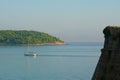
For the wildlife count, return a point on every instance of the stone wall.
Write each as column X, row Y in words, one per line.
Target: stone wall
column 108, row 67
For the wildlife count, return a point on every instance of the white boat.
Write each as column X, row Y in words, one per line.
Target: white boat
column 30, row 53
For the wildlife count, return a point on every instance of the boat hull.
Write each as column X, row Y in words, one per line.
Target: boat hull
column 30, row 55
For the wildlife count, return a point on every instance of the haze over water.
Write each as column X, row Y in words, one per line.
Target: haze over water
column 74, row 61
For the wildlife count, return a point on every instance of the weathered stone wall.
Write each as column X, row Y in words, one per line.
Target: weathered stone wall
column 108, row 67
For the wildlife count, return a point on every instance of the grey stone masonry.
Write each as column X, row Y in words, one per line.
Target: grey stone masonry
column 108, row 67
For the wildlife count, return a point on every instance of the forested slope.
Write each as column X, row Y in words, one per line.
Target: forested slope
column 23, row 37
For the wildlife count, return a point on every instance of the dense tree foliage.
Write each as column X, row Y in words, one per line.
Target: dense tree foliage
column 23, row 37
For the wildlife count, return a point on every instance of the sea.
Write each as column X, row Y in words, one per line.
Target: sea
column 71, row 61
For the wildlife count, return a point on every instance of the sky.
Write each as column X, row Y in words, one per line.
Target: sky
column 69, row 20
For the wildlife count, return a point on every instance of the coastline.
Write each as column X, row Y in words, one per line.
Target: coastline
column 54, row 43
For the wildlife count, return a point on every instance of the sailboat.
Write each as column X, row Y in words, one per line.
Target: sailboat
column 30, row 53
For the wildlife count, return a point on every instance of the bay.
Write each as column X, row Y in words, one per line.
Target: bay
column 72, row 61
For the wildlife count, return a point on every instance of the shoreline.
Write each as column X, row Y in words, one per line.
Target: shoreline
column 56, row 43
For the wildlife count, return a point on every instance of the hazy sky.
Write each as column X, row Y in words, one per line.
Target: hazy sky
column 70, row 20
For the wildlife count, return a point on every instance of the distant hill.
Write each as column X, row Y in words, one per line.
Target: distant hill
column 22, row 37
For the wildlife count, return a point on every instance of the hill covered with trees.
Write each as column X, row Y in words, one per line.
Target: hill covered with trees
column 22, row 37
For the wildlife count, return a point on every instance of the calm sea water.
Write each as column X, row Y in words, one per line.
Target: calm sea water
column 74, row 61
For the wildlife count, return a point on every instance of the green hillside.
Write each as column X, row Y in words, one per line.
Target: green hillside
column 22, row 37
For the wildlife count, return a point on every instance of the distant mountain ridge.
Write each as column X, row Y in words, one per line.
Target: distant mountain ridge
column 21, row 37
